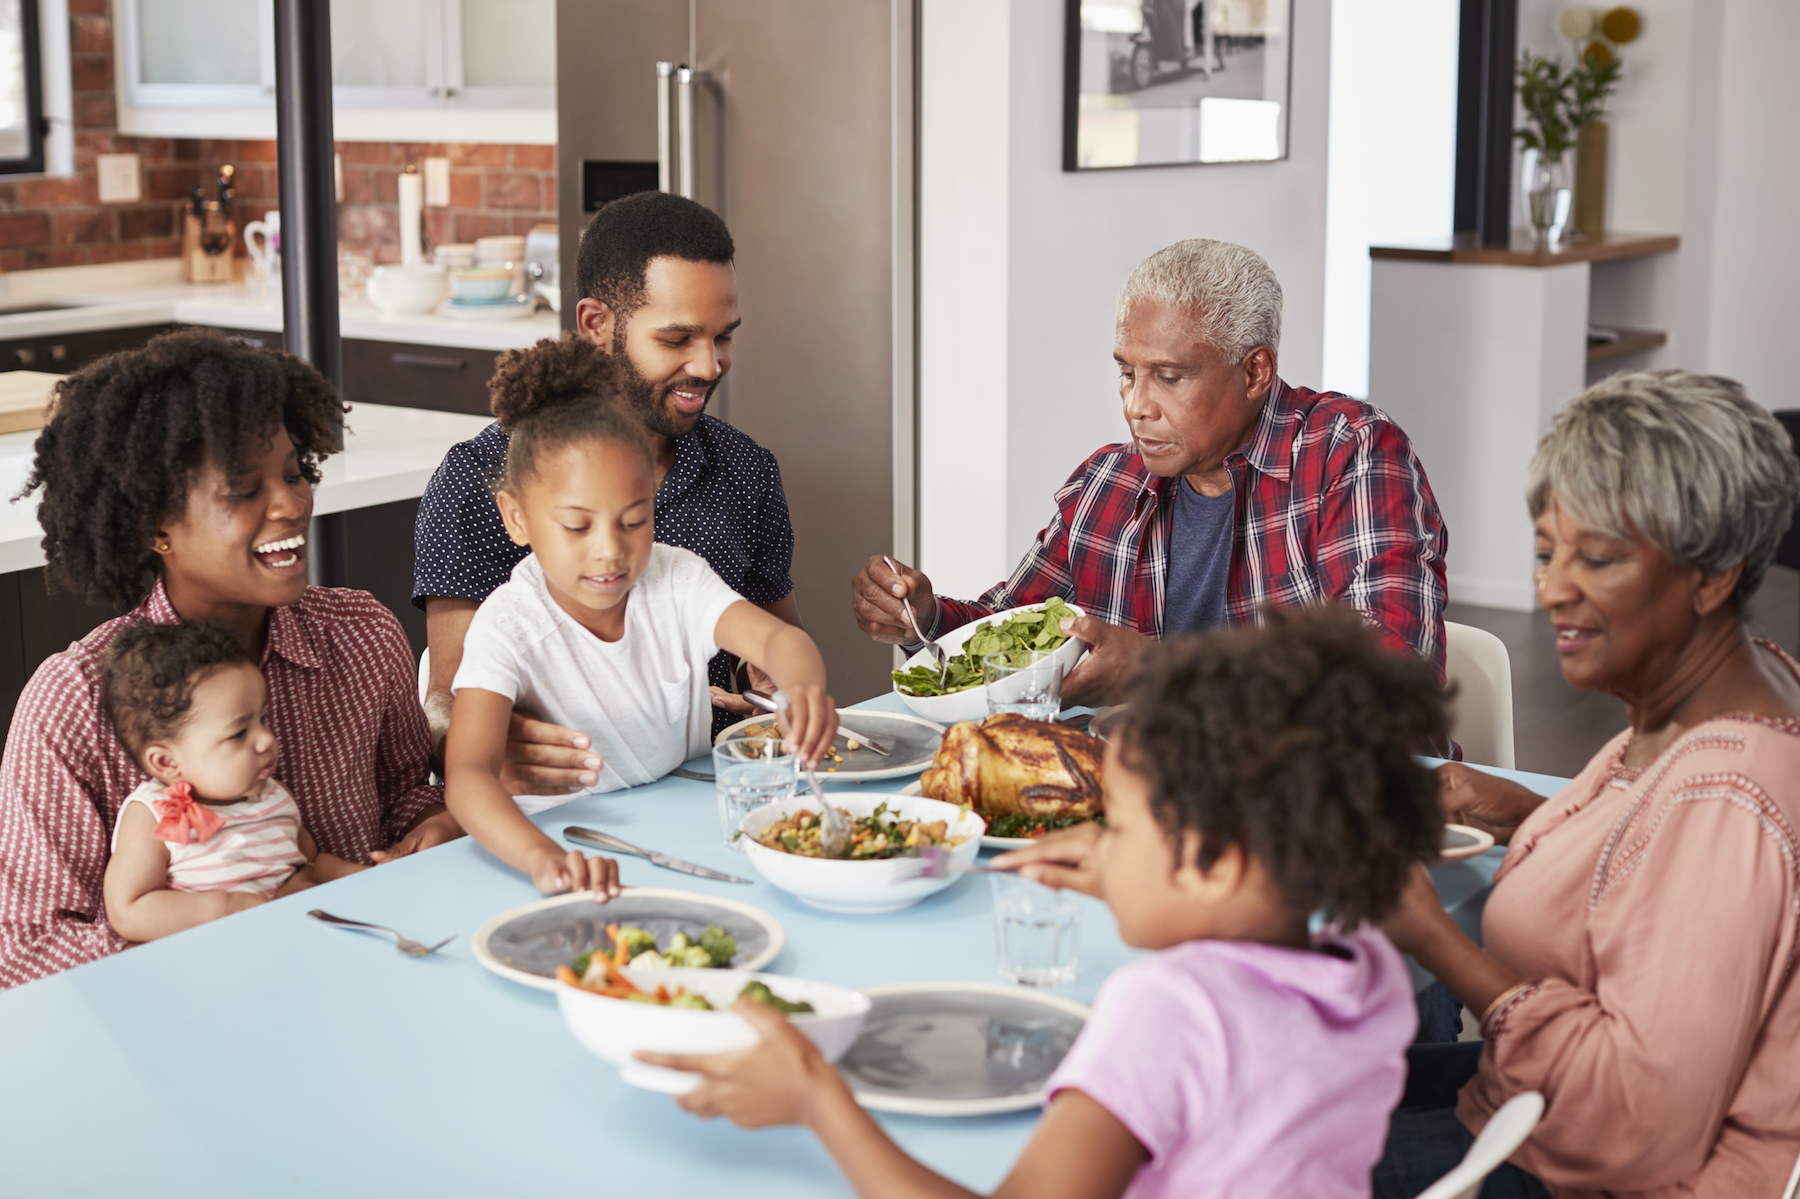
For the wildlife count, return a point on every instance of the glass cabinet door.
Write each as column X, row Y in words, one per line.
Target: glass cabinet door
column 387, row 55
column 501, row 53
column 197, row 51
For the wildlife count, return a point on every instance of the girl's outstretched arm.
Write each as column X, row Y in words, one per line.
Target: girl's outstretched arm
column 1080, row 1150
column 473, row 754
column 139, row 904
column 787, row 655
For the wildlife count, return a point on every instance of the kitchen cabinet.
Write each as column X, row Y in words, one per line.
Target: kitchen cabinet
column 443, row 378
column 439, row 60
column 60, row 353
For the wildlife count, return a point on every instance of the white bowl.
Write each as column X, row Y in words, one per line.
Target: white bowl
column 972, row 704
column 481, row 284
column 839, row 885
column 614, row 1029
column 407, row 289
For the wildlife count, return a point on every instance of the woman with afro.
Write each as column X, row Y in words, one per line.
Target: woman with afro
column 177, row 482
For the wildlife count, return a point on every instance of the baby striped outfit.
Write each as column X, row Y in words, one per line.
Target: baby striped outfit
column 251, row 845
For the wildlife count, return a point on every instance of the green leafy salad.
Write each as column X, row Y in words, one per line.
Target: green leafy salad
column 1037, row 629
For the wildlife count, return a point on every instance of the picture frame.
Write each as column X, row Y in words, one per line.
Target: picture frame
column 1175, row 82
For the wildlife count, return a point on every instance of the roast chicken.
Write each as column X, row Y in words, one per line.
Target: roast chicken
column 1010, row 765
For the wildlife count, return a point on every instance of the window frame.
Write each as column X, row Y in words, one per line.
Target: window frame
column 36, row 128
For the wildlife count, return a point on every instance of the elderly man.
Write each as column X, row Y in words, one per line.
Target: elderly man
column 1236, row 491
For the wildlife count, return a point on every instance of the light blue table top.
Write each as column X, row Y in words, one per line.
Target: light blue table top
column 268, row 1054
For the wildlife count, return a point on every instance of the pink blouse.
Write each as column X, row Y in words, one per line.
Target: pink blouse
column 1658, row 913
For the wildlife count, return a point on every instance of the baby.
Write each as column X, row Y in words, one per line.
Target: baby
column 210, row 832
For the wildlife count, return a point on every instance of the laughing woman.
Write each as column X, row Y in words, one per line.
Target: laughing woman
column 1642, row 935
column 179, row 478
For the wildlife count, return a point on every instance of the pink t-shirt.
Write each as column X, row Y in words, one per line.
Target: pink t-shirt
column 1249, row 1069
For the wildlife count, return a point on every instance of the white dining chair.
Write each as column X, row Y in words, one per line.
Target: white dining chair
column 1503, row 1134
column 424, row 672
column 1481, row 717
column 1793, row 1186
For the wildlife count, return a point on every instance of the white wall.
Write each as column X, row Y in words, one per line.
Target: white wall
column 1392, row 173
column 1026, row 329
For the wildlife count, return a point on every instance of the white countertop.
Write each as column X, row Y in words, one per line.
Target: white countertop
column 152, row 293
column 389, row 454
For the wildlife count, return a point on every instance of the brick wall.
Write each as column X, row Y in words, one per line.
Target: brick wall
column 61, row 222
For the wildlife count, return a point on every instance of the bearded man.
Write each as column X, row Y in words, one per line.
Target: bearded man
column 659, row 295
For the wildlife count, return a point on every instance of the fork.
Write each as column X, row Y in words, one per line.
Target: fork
column 405, row 945
column 931, row 647
column 937, row 861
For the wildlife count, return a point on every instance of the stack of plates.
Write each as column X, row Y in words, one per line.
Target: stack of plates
column 507, row 309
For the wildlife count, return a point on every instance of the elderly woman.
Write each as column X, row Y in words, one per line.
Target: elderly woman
column 1643, row 930
column 178, row 478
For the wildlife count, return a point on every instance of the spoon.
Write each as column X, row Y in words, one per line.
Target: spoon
column 932, row 648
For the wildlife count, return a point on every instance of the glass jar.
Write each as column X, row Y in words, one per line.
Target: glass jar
column 1547, row 196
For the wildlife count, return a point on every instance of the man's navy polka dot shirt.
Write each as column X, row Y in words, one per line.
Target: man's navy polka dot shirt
column 722, row 499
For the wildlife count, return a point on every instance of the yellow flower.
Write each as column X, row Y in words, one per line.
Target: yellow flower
column 1577, row 23
column 1597, row 54
column 1621, row 25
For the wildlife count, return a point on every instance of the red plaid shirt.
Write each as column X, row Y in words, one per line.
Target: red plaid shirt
column 355, row 751
column 1332, row 504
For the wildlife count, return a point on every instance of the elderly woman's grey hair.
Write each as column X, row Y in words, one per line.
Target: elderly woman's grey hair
column 1689, row 462
column 1229, row 290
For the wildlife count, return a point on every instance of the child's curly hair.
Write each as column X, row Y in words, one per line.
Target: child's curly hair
column 1295, row 740
column 149, row 673
column 558, row 391
column 127, row 432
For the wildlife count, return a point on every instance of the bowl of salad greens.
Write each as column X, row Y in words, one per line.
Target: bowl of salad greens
column 781, row 840
column 961, row 694
column 615, row 1012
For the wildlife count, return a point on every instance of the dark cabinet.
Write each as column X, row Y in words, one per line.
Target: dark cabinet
column 61, row 353
column 443, row 378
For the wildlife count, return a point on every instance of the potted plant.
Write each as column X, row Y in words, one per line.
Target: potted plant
column 1545, row 93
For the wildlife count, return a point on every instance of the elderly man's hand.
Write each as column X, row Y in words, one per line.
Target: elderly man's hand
column 1484, row 801
column 1113, row 653
column 875, row 595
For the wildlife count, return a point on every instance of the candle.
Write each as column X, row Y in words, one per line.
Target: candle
column 412, row 204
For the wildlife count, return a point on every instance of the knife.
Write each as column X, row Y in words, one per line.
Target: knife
column 600, row 840
column 881, row 745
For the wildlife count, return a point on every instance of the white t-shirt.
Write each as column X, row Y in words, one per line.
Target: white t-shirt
column 643, row 699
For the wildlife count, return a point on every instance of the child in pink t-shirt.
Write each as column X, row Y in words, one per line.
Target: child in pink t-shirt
column 1260, row 780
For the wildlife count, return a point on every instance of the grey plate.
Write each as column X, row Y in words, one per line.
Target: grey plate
column 527, row 944
column 1461, row 841
column 959, row 1049
column 916, row 742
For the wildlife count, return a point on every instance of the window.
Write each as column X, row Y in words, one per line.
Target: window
column 21, row 90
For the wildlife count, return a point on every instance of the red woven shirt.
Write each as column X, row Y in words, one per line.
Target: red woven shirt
column 1332, row 504
column 355, row 752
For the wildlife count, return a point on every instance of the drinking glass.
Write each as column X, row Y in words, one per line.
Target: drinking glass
column 751, row 772
column 1036, row 931
column 1026, row 681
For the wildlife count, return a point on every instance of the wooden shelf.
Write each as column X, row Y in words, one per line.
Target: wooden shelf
column 1631, row 341
column 1524, row 250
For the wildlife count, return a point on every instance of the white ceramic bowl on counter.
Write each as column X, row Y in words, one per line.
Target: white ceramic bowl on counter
column 614, row 1029
column 481, row 284
column 972, row 703
column 398, row 290
column 858, row 887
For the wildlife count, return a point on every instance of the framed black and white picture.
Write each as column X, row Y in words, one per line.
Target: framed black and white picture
column 1168, row 82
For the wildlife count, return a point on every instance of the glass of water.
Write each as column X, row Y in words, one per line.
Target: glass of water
column 751, row 771
column 1036, row 931
column 1026, row 681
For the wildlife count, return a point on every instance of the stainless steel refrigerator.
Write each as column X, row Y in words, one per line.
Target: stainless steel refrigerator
column 794, row 120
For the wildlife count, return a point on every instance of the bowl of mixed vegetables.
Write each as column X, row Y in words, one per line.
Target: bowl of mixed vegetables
column 782, row 841
column 615, row 1011
column 959, row 693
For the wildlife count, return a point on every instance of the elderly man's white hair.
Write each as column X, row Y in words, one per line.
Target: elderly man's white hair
column 1229, row 290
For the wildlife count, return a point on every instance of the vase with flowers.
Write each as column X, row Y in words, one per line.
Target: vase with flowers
column 1544, row 89
column 1597, row 37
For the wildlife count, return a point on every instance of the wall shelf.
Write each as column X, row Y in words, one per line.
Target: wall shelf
column 1631, row 341
column 1525, row 250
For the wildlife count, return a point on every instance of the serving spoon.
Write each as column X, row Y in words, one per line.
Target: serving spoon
column 932, row 648
column 834, row 832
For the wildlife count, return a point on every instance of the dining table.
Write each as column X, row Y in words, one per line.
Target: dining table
column 269, row 1054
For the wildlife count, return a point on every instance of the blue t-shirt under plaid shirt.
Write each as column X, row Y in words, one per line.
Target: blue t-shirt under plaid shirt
column 722, row 499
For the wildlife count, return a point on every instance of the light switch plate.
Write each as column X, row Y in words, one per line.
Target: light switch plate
column 437, row 183
column 120, row 179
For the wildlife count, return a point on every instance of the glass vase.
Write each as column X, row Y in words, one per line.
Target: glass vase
column 1547, row 196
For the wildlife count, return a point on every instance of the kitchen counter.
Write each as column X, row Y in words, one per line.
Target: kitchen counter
column 152, row 293
column 389, row 454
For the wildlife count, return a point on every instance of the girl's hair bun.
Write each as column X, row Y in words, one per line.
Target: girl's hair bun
column 556, row 371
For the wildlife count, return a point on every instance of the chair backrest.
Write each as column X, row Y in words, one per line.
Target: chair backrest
column 1481, row 720
column 1793, row 1186
column 1503, row 1134
column 424, row 672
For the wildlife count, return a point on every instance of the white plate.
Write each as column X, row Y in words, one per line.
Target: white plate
column 971, row 703
column 987, row 842
column 1461, row 841
column 933, row 1049
column 528, row 943
column 916, row 744
column 493, row 310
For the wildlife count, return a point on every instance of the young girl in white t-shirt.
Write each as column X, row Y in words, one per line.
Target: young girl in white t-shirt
column 601, row 628
column 1259, row 776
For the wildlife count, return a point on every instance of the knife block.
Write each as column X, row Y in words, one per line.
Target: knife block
column 198, row 266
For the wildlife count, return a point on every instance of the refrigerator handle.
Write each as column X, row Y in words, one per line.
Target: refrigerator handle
column 665, row 99
column 684, row 80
